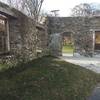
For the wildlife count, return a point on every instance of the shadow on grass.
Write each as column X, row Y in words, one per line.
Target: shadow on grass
column 10, row 72
column 47, row 78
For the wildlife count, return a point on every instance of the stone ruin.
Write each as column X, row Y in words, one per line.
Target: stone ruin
column 85, row 33
column 21, row 40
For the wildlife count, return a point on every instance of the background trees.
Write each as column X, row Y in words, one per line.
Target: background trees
column 86, row 9
column 30, row 7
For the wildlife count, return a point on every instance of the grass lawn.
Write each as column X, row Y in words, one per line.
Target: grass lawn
column 67, row 49
column 47, row 78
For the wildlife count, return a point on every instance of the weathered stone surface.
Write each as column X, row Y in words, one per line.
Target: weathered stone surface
column 55, row 45
column 25, row 37
column 28, row 41
column 82, row 29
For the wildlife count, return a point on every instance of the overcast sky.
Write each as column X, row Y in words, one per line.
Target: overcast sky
column 64, row 6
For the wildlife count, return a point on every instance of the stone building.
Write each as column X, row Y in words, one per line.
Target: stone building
column 85, row 33
column 19, row 36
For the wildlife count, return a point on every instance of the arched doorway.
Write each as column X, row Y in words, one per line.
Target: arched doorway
column 67, row 44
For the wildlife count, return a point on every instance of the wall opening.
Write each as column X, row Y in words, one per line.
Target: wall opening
column 4, row 35
column 67, row 45
column 97, row 40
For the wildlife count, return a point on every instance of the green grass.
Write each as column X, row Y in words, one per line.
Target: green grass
column 67, row 49
column 3, row 66
column 47, row 78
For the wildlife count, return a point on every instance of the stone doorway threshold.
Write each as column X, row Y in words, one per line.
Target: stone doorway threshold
column 91, row 63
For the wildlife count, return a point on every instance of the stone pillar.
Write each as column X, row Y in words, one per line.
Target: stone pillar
column 55, row 44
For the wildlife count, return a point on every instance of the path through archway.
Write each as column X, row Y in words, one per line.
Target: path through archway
column 67, row 44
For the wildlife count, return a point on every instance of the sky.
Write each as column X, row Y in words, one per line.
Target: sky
column 64, row 6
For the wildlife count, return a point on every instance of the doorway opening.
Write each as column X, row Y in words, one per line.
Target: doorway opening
column 97, row 40
column 67, row 45
column 4, row 35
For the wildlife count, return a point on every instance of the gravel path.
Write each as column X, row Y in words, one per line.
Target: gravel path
column 87, row 62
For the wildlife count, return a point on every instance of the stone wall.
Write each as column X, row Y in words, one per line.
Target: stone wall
column 82, row 29
column 25, row 36
column 21, row 36
column 42, row 41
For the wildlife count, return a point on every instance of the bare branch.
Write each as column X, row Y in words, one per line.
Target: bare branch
column 30, row 7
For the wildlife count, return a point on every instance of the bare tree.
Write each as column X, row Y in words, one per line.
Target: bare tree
column 15, row 3
column 33, row 7
column 85, row 9
column 30, row 7
column 82, row 10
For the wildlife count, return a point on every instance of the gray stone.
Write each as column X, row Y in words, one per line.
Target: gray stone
column 82, row 30
column 25, row 37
